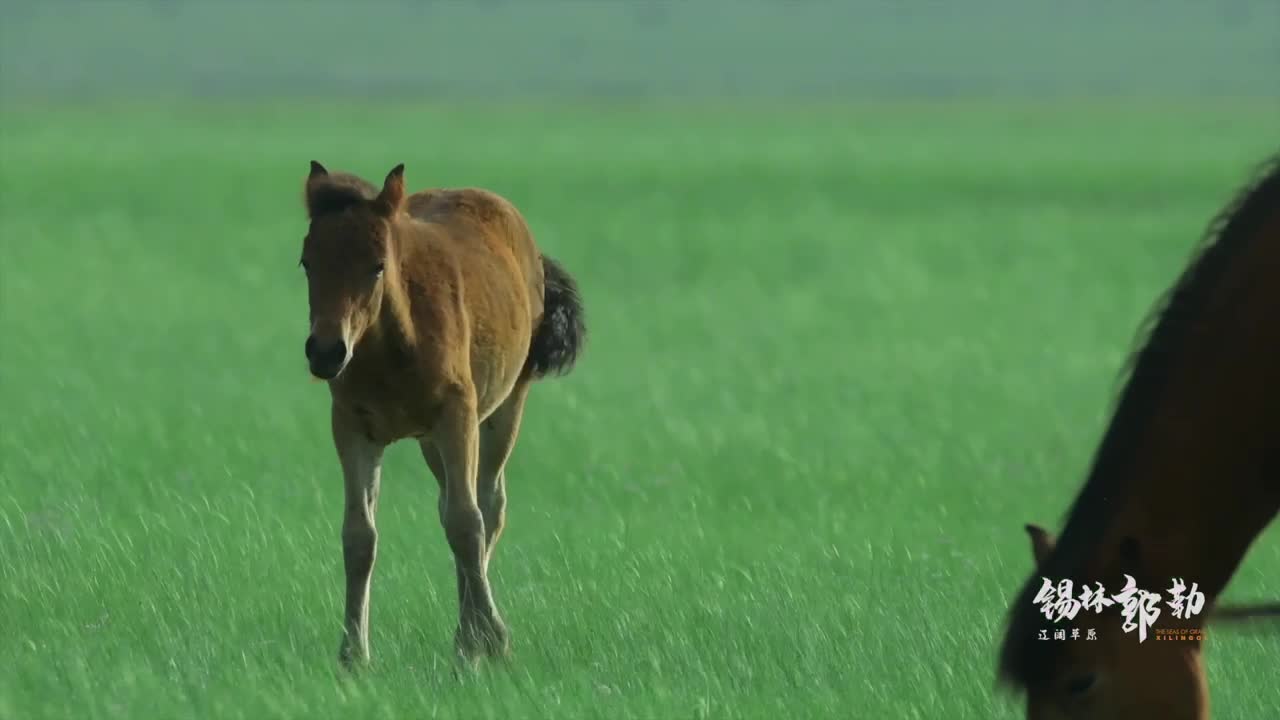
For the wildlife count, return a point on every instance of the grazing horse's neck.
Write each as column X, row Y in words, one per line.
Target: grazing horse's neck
column 1202, row 539
column 1200, row 498
column 1201, row 458
column 1204, row 466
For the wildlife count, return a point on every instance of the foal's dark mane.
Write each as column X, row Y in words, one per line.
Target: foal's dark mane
column 1024, row 660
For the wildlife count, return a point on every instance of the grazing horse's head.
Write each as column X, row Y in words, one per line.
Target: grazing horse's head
column 1113, row 675
column 347, row 249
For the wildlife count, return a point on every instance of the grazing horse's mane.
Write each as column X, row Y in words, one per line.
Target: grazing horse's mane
column 335, row 192
column 1023, row 660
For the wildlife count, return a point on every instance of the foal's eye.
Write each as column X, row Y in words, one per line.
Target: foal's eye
column 377, row 270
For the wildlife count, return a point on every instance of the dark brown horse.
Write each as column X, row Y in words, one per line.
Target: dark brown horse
column 1186, row 477
column 431, row 316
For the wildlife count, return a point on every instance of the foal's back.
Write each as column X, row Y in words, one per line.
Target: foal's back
column 475, row 218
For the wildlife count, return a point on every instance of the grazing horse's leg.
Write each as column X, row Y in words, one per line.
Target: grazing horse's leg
column 480, row 629
column 361, row 472
column 497, row 438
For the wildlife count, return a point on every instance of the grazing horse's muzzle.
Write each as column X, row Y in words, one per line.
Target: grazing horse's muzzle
column 327, row 359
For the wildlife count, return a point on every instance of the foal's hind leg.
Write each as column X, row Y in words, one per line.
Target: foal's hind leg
column 497, row 438
column 361, row 472
column 480, row 629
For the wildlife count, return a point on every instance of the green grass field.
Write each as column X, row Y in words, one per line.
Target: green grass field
column 838, row 356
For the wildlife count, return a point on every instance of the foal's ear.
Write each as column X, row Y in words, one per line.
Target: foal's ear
column 311, row 189
column 1041, row 543
column 392, row 195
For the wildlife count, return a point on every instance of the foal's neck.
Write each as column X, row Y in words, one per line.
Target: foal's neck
column 394, row 327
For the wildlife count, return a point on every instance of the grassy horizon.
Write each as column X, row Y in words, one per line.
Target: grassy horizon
column 838, row 357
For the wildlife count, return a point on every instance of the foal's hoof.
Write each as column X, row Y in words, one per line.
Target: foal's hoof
column 487, row 637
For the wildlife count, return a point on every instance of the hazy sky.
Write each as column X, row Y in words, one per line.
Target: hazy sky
column 628, row 49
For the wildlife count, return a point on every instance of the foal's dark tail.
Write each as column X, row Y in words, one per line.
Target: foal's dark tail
column 560, row 336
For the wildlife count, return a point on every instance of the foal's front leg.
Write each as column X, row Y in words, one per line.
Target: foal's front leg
column 480, row 628
column 361, row 473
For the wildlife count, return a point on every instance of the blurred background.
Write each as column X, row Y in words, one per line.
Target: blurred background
column 620, row 50
column 859, row 279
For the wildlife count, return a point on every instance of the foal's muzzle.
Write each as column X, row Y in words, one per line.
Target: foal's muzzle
column 326, row 358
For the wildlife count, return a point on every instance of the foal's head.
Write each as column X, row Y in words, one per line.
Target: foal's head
column 347, row 249
column 1112, row 675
